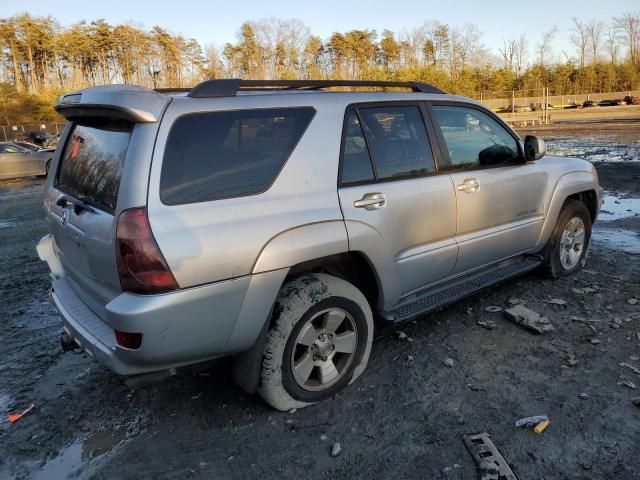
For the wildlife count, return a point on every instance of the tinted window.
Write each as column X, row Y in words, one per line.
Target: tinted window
column 92, row 161
column 398, row 141
column 216, row 155
column 356, row 164
column 474, row 138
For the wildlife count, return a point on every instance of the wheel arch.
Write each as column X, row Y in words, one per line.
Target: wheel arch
column 581, row 186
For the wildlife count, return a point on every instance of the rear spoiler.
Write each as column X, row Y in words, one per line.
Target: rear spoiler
column 128, row 102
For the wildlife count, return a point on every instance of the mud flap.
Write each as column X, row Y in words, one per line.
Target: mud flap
column 247, row 364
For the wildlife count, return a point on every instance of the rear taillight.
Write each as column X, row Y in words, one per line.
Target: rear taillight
column 141, row 266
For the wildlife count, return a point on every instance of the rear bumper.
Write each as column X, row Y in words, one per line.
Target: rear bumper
column 179, row 328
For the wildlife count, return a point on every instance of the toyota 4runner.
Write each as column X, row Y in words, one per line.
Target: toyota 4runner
column 273, row 220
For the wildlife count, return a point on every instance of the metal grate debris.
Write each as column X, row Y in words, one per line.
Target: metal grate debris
column 492, row 465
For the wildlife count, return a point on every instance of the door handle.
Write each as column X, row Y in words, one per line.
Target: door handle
column 371, row 201
column 469, row 185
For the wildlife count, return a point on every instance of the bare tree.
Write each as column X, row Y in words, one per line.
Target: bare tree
column 521, row 54
column 544, row 47
column 594, row 31
column 629, row 25
column 611, row 44
column 580, row 38
column 508, row 53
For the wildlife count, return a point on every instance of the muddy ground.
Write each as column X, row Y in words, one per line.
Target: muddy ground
column 404, row 418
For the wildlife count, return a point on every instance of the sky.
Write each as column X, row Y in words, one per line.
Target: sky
column 218, row 21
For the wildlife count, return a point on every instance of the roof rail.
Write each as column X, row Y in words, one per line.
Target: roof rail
column 230, row 87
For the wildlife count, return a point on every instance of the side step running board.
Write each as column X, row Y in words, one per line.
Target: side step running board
column 438, row 296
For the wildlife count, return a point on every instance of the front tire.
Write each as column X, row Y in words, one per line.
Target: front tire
column 566, row 251
column 319, row 341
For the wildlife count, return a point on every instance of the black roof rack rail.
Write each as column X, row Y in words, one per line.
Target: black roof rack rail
column 229, row 87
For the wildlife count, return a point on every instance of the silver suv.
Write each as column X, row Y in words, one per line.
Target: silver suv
column 273, row 220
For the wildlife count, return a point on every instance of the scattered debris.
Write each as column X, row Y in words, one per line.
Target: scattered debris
column 636, row 401
column 292, row 411
column 448, row 470
column 492, row 465
column 488, row 324
column 402, row 335
column 531, row 421
column 557, row 301
column 628, row 384
column 448, row 362
column 493, row 309
column 323, row 437
column 529, row 319
column 14, row 417
column 633, row 301
column 594, row 341
column 583, row 396
column 336, row 450
column 539, row 428
column 409, row 358
column 572, row 360
column 573, row 318
column 635, row 358
column 630, row 367
column 514, row 301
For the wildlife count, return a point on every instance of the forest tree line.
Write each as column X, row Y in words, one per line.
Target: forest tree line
column 39, row 57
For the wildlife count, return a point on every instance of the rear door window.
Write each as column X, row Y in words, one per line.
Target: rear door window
column 91, row 163
column 215, row 155
column 398, row 141
column 356, row 163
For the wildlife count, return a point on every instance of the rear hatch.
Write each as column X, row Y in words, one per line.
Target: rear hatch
column 100, row 168
column 82, row 206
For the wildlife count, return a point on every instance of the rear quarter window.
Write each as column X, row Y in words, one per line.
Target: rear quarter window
column 215, row 155
column 91, row 163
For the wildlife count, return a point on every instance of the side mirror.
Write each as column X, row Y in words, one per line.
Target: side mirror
column 534, row 148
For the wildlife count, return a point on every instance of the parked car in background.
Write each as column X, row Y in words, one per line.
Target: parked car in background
column 611, row 103
column 271, row 220
column 27, row 145
column 589, row 104
column 51, row 142
column 631, row 100
column 17, row 161
column 38, row 137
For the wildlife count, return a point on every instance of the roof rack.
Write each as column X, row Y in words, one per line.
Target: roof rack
column 230, row 87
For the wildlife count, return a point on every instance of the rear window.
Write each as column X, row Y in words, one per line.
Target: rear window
column 216, row 155
column 92, row 161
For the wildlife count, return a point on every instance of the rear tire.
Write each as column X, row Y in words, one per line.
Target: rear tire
column 319, row 341
column 567, row 249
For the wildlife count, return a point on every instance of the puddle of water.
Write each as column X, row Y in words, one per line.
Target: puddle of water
column 72, row 457
column 595, row 149
column 616, row 207
column 617, row 239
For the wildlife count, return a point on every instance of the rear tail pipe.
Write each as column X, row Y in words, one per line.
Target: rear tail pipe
column 67, row 343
